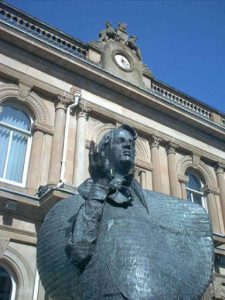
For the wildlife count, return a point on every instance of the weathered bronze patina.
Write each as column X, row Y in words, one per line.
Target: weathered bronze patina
column 114, row 240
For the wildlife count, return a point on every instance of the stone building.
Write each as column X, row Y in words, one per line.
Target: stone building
column 56, row 95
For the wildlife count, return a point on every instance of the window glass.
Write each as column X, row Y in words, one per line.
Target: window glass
column 15, row 135
column 194, row 183
column 194, row 188
column 5, row 285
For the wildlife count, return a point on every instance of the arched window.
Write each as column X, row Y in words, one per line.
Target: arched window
column 195, row 188
column 15, row 142
column 7, row 285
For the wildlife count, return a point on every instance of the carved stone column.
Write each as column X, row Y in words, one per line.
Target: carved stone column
column 156, row 176
column 79, row 157
column 57, row 142
column 171, row 154
column 221, row 184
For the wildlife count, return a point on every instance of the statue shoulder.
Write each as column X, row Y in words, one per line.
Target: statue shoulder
column 177, row 214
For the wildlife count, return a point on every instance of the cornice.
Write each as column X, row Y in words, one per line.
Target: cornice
column 32, row 81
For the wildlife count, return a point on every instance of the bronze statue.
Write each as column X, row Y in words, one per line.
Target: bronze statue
column 116, row 241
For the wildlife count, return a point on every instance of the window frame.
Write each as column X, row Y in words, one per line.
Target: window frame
column 29, row 143
column 192, row 191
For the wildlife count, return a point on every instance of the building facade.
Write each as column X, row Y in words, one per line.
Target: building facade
column 56, row 95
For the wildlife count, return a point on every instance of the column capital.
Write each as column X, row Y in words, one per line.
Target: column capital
column 219, row 167
column 83, row 111
column 62, row 101
column 137, row 171
column 155, row 141
column 171, row 147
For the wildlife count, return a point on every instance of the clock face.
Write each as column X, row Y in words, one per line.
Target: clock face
column 122, row 62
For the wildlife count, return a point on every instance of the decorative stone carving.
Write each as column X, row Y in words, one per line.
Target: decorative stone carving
column 24, row 90
column 33, row 101
column 63, row 101
column 155, row 141
column 171, row 147
column 219, row 167
column 196, row 160
column 131, row 43
column 108, row 33
column 120, row 34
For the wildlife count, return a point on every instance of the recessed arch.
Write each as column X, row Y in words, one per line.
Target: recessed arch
column 142, row 152
column 20, row 270
column 32, row 101
column 187, row 162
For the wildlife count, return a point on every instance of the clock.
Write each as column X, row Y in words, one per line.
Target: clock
column 122, row 61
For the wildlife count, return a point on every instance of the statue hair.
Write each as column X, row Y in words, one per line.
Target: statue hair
column 105, row 143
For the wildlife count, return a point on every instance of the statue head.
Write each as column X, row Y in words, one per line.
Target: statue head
column 119, row 148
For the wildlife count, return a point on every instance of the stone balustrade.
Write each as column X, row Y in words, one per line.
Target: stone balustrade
column 41, row 32
column 181, row 101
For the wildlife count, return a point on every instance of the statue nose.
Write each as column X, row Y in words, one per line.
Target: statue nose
column 127, row 145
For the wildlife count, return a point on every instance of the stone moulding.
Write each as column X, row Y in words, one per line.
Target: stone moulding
column 32, row 100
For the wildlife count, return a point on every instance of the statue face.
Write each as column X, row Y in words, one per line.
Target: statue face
column 122, row 152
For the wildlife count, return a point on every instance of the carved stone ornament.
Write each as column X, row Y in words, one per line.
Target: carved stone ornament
column 62, row 101
column 155, row 141
column 219, row 167
column 114, row 240
column 171, row 147
column 120, row 34
column 24, row 89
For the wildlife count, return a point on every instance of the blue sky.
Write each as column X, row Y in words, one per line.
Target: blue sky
column 183, row 42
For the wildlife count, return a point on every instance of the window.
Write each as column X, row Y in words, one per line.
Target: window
column 194, row 188
column 15, row 142
column 5, row 285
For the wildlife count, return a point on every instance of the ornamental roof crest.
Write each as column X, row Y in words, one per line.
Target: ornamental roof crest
column 121, row 35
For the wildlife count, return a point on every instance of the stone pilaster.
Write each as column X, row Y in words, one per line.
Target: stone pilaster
column 79, row 156
column 58, row 139
column 156, row 176
column 219, row 168
column 171, row 154
column 35, row 160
